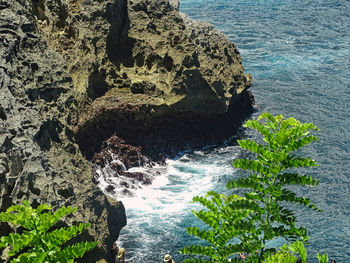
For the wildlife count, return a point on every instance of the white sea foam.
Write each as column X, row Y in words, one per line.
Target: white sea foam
column 159, row 213
column 309, row 81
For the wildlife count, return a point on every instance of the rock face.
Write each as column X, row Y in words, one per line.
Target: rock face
column 39, row 160
column 167, row 81
column 79, row 76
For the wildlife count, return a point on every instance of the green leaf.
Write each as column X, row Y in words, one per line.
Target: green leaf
column 296, row 179
column 211, row 219
column 39, row 244
column 296, row 162
column 75, row 251
column 31, row 257
column 261, row 212
column 206, row 202
column 196, row 260
column 60, row 236
column 17, row 241
column 249, row 183
column 251, row 165
column 322, row 258
column 298, row 247
column 208, row 236
column 198, row 250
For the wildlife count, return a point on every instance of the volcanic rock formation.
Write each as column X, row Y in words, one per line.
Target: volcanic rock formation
column 82, row 77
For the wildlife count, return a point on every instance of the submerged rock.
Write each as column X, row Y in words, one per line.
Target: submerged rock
column 129, row 156
column 81, row 80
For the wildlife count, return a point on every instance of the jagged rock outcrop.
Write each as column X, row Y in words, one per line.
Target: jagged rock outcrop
column 79, row 76
column 155, row 75
column 39, row 160
column 144, row 65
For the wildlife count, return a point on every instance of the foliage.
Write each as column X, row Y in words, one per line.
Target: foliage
column 38, row 242
column 246, row 223
column 322, row 258
column 225, row 222
column 288, row 254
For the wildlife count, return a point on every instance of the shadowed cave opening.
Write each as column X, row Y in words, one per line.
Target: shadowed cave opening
column 165, row 135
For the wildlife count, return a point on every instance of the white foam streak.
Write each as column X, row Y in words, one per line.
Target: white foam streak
column 158, row 212
column 169, row 192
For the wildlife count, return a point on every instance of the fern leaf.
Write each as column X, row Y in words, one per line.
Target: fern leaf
column 208, row 236
column 205, row 202
column 251, row 165
column 209, row 218
column 48, row 219
column 17, row 241
column 322, row 258
column 198, row 250
column 296, row 179
column 74, row 251
column 257, row 126
column 59, row 236
column 296, row 162
column 31, row 257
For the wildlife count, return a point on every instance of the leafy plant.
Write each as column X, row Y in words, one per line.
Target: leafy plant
column 225, row 222
column 284, row 255
column 298, row 247
column 322, row 258
column 288, row 254
column 260, row 214
column 38, row 242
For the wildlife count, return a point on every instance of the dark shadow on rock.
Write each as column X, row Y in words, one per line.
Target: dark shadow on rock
column 48, row 94
column 48, row 133
column 2, row 114
column 97, row 85
column 39, row 9
column 119, row 45
column 163, row 135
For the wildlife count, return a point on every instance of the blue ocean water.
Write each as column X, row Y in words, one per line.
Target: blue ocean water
column 298, row 53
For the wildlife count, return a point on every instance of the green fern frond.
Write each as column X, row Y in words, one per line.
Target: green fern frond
column 40, row 244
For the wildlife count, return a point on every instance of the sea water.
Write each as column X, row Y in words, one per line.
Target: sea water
column 298, row 53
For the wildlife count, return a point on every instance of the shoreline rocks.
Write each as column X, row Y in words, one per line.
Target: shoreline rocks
column 82, row 80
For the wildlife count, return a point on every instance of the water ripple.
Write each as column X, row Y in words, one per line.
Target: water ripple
column 298, row 53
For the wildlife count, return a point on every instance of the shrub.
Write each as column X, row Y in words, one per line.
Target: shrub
column 38, row 242
column 289, row 254
column 246, row 223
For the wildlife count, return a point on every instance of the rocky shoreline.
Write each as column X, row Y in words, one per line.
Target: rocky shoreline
column 85, row 83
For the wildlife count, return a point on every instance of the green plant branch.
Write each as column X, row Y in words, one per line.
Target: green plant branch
column 261, row 209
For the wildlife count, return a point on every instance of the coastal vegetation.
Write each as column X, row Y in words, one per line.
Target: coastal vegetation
column 292, row 253
column 37, row 239
column 258, row 209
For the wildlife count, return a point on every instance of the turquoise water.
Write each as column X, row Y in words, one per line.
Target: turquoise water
column 298, row 53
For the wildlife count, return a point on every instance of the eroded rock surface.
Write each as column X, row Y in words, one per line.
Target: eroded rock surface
column 82, row 80
column 39, row 160
column 168, row 82
column 144, row 65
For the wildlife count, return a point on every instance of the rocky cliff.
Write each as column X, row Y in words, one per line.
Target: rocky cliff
column 82, row 77
column 39, row 160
